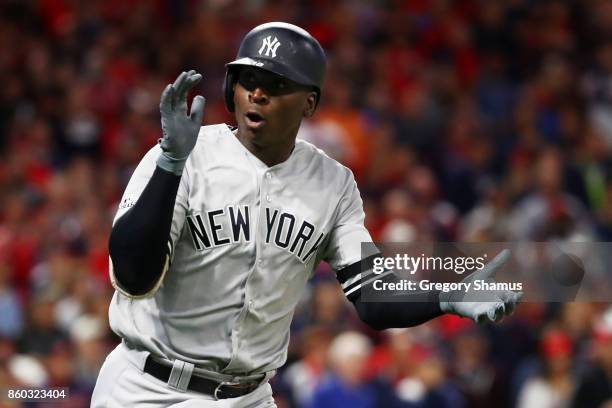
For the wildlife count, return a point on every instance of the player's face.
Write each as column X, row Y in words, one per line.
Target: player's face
column 269, row 107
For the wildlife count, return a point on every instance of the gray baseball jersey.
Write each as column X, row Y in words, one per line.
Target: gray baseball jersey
column 245, row 239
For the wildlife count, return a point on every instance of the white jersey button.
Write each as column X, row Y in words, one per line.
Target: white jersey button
column 268, row 176
column 268, row 198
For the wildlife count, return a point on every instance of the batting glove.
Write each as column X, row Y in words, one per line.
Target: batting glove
column 179, row 128
column 480, row 305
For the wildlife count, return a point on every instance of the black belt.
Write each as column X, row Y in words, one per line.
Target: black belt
column 219, row 390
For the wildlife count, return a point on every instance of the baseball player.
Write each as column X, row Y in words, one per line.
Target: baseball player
column 220, row 228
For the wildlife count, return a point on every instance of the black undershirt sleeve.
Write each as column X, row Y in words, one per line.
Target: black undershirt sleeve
column 414, row 309
column 138, row 244
column 420, row 308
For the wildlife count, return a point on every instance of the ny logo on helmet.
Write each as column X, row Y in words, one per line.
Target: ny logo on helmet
column 270, row 45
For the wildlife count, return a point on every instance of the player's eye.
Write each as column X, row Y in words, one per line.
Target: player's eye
column 248, row 79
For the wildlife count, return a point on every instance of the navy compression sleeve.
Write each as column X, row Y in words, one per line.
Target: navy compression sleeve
column 420, row 308
column 138, row 244
column 414, row 309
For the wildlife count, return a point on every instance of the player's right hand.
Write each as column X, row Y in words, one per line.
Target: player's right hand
column 180, row 129
column 480, row 305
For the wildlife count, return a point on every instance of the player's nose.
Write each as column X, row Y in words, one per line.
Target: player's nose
column 259, row 96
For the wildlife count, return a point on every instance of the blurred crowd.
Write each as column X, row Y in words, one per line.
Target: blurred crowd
column 475, row 120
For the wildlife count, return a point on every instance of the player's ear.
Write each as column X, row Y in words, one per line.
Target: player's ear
column 234, row 84
column 310, row 104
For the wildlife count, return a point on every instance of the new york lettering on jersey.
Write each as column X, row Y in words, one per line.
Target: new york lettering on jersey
column 232, row 225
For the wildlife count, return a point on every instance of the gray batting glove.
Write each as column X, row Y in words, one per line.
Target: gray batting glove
column 479, row 305
column 180, row 129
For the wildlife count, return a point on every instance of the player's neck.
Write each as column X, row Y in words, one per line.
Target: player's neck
column 269, row 155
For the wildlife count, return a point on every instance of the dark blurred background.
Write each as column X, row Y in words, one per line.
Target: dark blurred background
column 461, row 120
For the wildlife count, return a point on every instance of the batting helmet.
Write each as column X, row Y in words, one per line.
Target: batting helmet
column 282, row 48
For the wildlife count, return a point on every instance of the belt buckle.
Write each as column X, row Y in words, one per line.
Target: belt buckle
column 221, row 384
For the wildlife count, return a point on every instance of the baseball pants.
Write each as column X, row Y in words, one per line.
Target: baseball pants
column 122, row 383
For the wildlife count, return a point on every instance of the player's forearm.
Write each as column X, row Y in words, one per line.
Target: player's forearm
column 138, row 241
column 416, row 308
column 411, row 309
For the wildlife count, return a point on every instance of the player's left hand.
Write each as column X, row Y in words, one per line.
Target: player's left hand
column 480, row 305
column 180, row 129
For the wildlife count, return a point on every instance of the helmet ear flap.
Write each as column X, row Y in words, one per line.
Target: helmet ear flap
column 228, row 89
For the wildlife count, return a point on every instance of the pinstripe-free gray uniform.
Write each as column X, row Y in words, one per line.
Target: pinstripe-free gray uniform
column 245, row 239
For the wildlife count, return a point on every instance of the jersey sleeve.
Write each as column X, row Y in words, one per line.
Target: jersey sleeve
column 345, row 251
column 138, row 181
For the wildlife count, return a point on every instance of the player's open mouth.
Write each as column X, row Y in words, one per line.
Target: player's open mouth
column 254, row 120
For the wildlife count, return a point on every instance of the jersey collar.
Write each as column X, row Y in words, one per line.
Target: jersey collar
column 260, row 164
